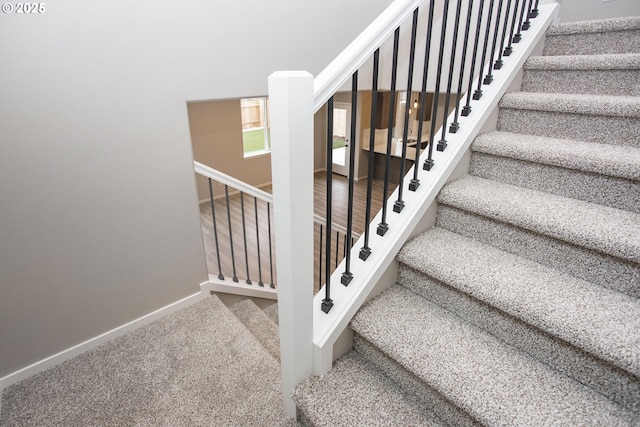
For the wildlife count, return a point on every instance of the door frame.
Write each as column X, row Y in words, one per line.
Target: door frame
column 344, row 170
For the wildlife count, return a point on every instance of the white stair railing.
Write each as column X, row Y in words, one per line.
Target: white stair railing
column 311, row 328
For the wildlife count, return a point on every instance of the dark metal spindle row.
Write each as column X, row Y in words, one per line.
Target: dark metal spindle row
column 455, row 125
column 442, row 144
column 231, row 246
column 436, row 95
column 383, row 226
column 327, row 302
column 428, row 163
column 398, row 205
column 347, row 276
column 366, row 250
column 496, row 29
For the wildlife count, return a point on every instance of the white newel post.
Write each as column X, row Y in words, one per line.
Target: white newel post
column 291, row 107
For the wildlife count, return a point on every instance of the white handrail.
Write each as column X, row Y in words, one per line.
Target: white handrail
column 359, row 50
column 223, row 178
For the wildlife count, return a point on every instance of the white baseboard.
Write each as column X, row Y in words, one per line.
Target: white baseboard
column 69, row 353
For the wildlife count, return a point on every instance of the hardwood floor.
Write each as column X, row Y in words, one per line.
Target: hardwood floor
column 249, row 256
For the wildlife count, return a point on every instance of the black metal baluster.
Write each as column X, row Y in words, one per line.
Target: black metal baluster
column 215, row 230
column 498, row 64
column 428, row 164
column 413, row 185
column 366, row 250
column 509, row 49
column 489, row 77
column 478, row 93
column 465, row 45
column 233, row 258
column 436, row 95
column 527, row 23
column 327, row 302
column 442, row 144
column 320, row 260
column 518, row 36
column 383, row 226
column 255, row 208
column 272, row 284
column 466, row 110
column 415, row 182
column 534, row 12
column 347, row 276
column 244, row 237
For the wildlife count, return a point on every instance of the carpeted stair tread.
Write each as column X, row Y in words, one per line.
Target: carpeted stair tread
column 353, row 393
column 595, row 26
column 616, row 35
column 617, row 161
column 197, row 366
column 602, row 376
column 598, row 320
column 604, row 174
column 612, row 74
column 492, row 381
column 616, row 61
column 581, row 104
column 272, row 312
column 600, row 228
column 259, row 324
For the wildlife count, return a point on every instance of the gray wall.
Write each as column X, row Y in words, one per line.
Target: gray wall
column 98, row 215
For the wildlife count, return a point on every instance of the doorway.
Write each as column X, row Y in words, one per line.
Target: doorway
column 341, row 137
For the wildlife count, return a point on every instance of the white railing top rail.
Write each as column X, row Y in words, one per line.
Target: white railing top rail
column 331, row 79
column 223, row 178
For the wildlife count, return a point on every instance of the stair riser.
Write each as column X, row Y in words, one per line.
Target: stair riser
column 593, row 44
column 595, row 267
column 590, row 128
column 616, row 384
column 259, row 325
column 412, row 385
column 594, row 82
column 605, row 190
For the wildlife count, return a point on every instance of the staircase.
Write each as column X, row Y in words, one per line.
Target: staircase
column 520, row 307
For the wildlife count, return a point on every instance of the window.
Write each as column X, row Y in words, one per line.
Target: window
column 255, row 126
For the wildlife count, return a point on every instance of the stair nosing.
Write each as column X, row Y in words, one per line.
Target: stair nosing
column 528, row 291
column 595, row 26
column 569, row 103
column 617, row 161
column 479, row 374
column 605, row 62
column 603, row 229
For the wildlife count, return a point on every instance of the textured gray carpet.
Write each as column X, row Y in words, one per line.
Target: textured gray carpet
column 584, row 73
column 562, row 167
column 521, row 306
column 356, row 385
column 617, row 35
column 603, row 229
column 572, row 309
column 482, row 375
column 197, row 367
column 260, row 325
column 604, row 119
column 610, row 381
